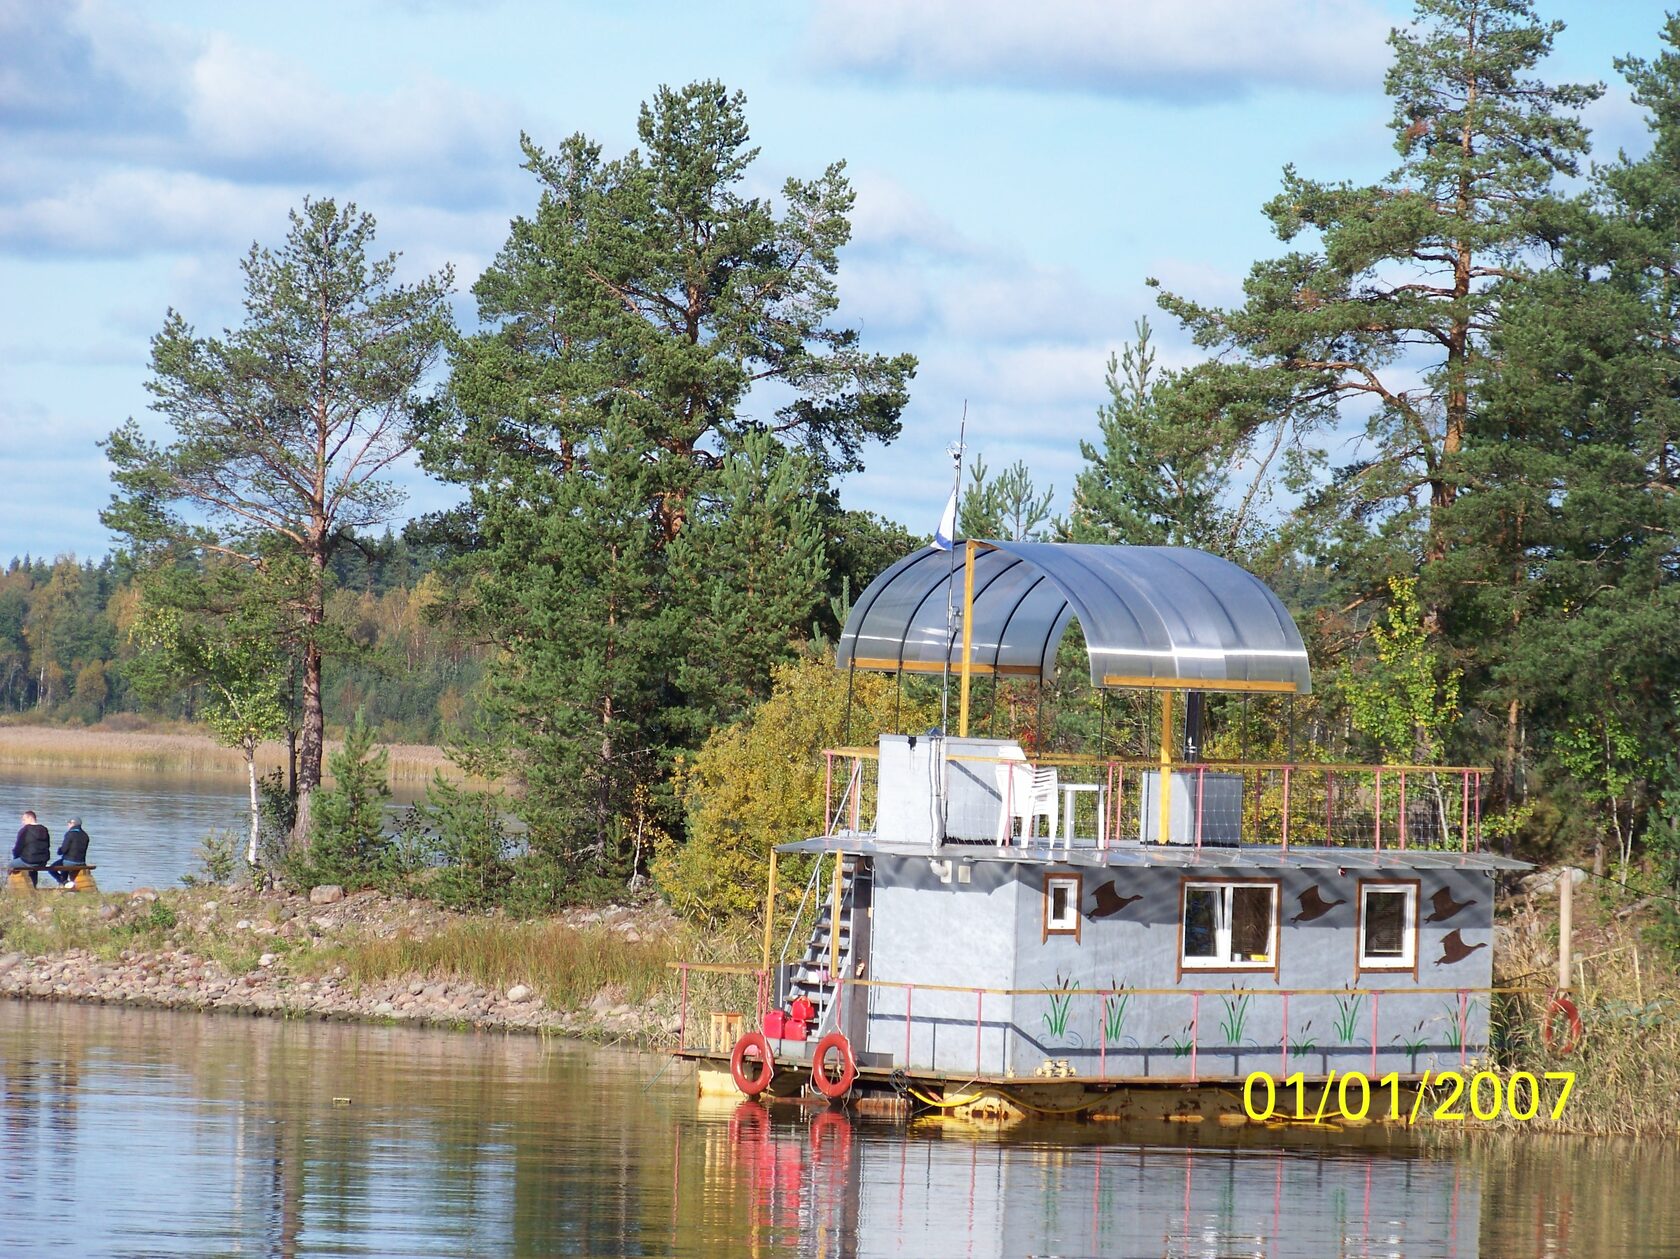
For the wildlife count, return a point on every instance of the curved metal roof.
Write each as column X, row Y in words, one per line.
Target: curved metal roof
column 1153, row 616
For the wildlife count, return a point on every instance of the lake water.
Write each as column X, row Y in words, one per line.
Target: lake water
column 145, row 827
column 152, row 1133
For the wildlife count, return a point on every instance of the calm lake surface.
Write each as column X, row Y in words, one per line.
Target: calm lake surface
column 145, row 827
column 153, row 1133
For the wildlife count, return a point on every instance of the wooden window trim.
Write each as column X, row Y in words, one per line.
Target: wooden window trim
column 1273, row 970
column 1360, row 967
column 1077, row 900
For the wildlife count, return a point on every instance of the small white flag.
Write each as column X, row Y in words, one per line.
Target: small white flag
column 947, row 524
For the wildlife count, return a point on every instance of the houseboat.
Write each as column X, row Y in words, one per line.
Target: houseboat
column 991, row 931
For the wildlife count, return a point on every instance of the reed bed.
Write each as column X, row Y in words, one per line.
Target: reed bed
column 567, row 965
column 1627, row 1065
column 186, row 752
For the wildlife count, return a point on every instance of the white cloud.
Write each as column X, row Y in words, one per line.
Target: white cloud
column 117, row 210
column 1020, row 302
column 1174, row 50
column 883, row 296
column 890, row 216
column 253, row 114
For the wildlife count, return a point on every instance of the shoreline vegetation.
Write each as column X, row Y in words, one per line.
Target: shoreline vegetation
column 603, row 974
column 595, row 974
column 185, row 750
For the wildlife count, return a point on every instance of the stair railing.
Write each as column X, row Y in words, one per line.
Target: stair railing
column 854, row 787
column 799, row 914
column 830, row 1019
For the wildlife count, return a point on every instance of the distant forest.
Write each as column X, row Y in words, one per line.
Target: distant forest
column 65, row 642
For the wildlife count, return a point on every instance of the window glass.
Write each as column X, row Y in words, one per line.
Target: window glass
column 1200, row 912
column 1061, row 910
column 1385, row 924
column 1229, row 924
column 1388, row 926
column 1251, row 924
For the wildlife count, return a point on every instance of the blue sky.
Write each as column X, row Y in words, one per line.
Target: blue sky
column 1021, row 169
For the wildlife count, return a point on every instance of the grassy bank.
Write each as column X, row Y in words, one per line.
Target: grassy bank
column 599, row 973
column 178, row 751
column 1627, row 1064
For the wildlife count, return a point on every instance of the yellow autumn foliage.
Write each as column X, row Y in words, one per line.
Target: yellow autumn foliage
column 759, row 782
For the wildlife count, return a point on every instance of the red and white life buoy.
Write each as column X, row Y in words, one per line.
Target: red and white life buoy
column 752, row 1085
column 833, row 1087
column 1561, row 1004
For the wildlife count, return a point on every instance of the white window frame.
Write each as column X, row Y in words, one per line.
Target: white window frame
column 1227, row 890
column 1407, row 961
column 1069, row 924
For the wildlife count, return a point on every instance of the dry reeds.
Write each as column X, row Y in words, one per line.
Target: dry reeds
column 1627, row 1064
column 180, row 752
column 567, row 966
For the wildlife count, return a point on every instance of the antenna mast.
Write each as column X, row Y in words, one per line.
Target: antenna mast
column 956, row 452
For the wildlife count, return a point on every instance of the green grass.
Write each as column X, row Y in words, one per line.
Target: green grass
column 567, row 966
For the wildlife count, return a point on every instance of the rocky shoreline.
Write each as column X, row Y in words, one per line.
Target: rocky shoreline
column 273, row 937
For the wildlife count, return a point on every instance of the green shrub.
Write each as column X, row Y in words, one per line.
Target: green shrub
column 348, row 843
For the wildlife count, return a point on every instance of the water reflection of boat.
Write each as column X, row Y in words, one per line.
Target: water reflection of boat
column 829, row 1186
column 991, row 930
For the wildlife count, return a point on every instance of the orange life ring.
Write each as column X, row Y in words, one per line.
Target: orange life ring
column 1561, row 1004
column 833, row 1088
column 752, row 1085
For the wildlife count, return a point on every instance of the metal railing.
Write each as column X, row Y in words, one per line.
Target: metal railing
column 1109, row 801
column 1359, row 1023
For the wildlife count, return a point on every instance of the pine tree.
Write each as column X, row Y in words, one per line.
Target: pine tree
column 1007, row 506
column 284, row 430
column 1402, row 281
column 1562, row 543
column 660, row 384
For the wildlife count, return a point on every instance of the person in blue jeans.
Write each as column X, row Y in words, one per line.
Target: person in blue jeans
column 33, row 846
column 72, row 851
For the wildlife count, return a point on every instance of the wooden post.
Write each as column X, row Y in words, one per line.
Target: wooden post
column 1165, row 810
column 834, row 925
column 969, row 549
column 1566, row 926
column 770, row 910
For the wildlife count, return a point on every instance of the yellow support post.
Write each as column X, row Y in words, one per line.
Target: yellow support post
column 969, row 549
column 834, row 921
column 1165, row 833
column 770, row 910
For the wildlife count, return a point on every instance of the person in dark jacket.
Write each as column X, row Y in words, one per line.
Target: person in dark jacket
column 33, row 847
column 72, row 851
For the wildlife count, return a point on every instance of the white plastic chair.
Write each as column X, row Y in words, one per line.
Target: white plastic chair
column 1025, row 794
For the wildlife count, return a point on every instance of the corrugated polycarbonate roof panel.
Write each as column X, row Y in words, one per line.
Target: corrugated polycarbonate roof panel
column 1256, row 857
column 1151, row 616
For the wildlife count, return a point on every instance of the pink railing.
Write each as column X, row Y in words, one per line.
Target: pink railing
column 1223, row 803
column 1362, row 1040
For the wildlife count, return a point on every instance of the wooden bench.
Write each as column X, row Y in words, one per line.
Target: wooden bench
column 81, row 877
column 724, row 1031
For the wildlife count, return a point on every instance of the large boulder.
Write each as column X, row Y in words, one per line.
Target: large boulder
column 1543, row 881
column 325, row 894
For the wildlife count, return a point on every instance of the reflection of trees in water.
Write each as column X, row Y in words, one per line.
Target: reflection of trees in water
column 1567, row 1197
column 787, row 1183
column 475, row 1144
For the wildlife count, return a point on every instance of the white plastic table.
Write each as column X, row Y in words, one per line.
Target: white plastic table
column 1070, row 793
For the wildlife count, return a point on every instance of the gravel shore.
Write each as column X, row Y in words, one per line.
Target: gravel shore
column 241, row 952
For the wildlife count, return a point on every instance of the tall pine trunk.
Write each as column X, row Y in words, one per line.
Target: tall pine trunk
column 312, row 736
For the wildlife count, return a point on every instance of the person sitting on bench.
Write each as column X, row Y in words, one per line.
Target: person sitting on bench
column 33, row 847
column 72, row 851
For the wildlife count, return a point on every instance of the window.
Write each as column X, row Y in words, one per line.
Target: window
column 1061, row 905
column 1387, row 926
column 1230, row 925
